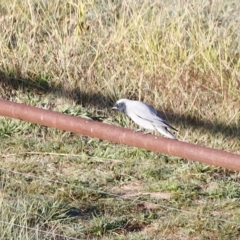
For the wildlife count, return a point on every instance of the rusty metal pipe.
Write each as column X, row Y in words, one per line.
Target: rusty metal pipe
column 119, row 135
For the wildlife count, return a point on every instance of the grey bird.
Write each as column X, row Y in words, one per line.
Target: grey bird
column 144, row 116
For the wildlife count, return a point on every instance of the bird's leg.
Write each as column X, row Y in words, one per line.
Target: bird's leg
column 137, row 130
column 146, row 132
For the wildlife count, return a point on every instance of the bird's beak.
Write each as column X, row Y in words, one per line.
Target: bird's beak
column 114, row 107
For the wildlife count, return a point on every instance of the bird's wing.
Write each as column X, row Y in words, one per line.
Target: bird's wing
column 148, row 113
column 165, row 122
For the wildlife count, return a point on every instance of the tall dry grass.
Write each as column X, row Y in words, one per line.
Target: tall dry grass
column 78, row 57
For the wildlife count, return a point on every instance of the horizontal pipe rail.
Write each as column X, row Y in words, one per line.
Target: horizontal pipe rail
column 119, row 135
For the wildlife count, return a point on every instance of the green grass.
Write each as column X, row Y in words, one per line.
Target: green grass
column 78, row 58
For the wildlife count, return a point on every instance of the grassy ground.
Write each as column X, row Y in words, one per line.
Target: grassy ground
column 78, row 58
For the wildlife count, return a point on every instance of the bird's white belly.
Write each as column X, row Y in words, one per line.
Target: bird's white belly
column 141, row 122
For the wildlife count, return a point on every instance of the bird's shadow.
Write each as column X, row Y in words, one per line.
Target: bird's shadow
column 230, row 130
column 14, row 82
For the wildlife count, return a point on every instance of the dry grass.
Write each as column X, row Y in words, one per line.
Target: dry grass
column 78, row 57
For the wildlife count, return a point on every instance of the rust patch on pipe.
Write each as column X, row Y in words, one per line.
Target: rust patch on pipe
column 119, row 135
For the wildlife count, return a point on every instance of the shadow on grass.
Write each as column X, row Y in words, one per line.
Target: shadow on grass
column 9, row 84
column 213, row 127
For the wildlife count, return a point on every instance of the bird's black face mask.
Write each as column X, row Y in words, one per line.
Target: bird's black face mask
column 120, row 107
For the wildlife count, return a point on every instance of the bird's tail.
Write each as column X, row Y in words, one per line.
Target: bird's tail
column 164, row 131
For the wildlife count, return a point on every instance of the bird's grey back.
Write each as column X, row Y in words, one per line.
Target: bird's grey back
column 146, row 112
